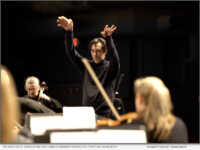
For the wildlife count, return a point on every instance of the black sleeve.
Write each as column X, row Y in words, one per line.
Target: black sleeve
column 53, row 104
column 29, row 105
column 113, row 57
column 71, row 52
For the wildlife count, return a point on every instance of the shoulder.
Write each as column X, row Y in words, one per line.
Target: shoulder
column 180, row 124
column 179, row 132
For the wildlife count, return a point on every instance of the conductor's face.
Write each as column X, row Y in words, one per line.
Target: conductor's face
column 97, row 53
column 32, row 88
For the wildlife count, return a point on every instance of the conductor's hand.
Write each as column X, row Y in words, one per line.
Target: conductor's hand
column 65, row 23
column 108, row 31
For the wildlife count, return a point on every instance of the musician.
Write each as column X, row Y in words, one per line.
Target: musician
column 33, row 89
column 154, row 108
column 11, row 130
column 107, row 70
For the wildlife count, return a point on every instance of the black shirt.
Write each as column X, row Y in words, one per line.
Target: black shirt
column 178, row 133
column 106, row 71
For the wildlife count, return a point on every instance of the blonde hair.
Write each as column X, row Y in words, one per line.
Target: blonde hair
column 9, row 107
column 156, row 98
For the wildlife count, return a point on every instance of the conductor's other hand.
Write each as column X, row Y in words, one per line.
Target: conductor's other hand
column 65, row 23
column 108, row 31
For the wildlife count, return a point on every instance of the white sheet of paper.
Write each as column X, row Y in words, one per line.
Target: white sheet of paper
column 79, row 117
column 100, row 136
column 39, row 124
column 72, row 118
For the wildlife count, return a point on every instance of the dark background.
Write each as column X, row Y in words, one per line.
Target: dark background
column 153, row 38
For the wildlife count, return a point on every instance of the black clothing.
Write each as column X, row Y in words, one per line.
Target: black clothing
column 178, row 133
column 52, row 104
column 32, row 106
column 106, row 71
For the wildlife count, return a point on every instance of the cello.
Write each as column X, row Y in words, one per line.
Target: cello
column 43, row 87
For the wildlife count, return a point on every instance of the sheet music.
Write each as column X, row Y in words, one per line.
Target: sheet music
column 100, row 136
column 72, row 118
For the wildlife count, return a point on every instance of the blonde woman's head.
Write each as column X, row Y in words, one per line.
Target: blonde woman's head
column 153, row 100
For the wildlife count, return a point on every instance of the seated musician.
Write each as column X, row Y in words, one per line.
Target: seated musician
column 32, row 87
column 154, row 108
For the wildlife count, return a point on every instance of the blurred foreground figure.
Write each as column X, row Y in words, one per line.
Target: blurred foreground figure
column 11, row 130
column 154, row 108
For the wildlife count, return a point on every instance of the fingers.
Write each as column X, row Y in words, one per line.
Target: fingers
column 62, row 17
column 108, row 30
column 69, row 21
column 64, row 20
column 106, row 27
column 65, row 23
column 61, row 20
column 103, row 33
column 113, row 28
